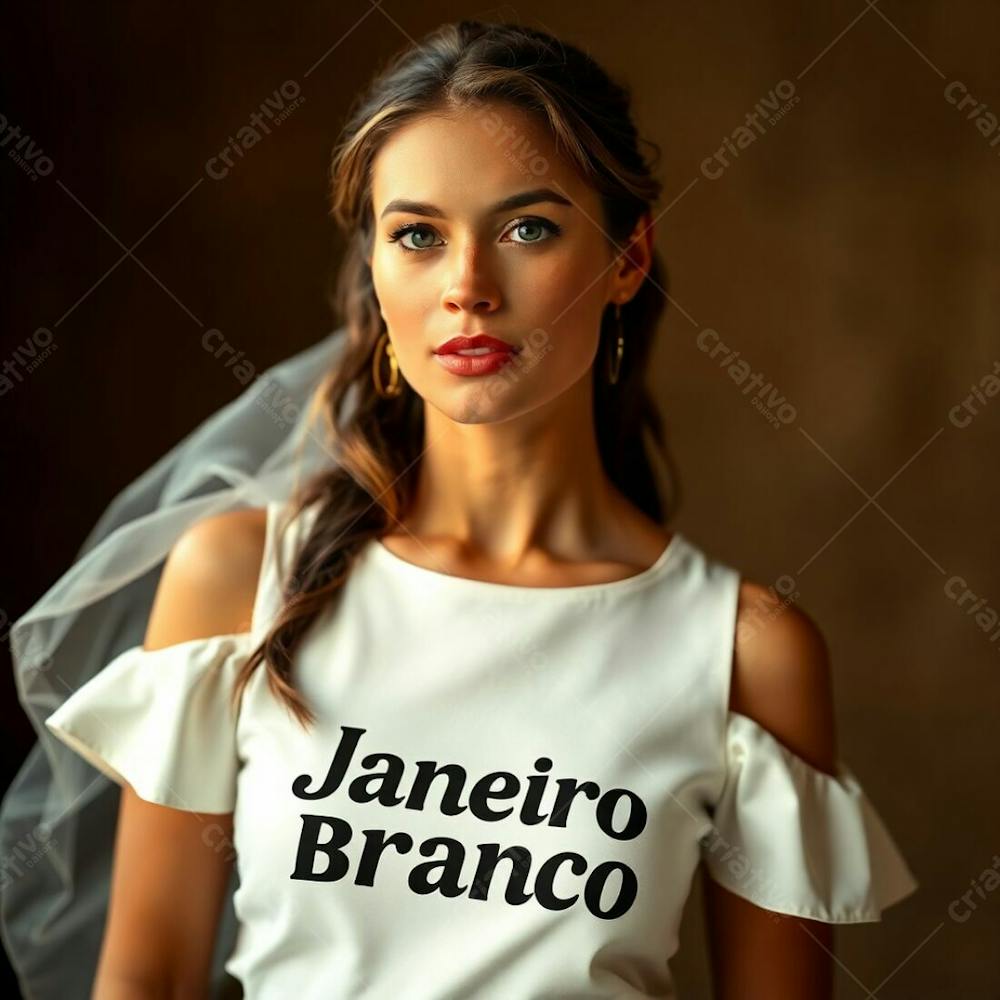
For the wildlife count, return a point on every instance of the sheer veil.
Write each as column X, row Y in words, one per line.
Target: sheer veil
column 57, row 819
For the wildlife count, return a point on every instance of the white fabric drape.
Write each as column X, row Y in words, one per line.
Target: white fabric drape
column 57, row 819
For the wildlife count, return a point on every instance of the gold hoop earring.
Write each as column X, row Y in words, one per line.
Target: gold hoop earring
column 394, row 388
column 615, row 363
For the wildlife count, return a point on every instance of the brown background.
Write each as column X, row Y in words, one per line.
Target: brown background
column 850, row 254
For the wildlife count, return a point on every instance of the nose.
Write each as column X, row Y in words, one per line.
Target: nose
column 473, row 287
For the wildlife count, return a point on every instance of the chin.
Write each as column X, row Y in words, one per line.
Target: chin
column 475, row 405
column 472, row 410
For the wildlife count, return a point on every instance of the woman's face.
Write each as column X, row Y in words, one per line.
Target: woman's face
column 448, row 260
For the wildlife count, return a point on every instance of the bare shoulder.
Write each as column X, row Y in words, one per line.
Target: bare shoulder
column 209, row 581
column 782, row 677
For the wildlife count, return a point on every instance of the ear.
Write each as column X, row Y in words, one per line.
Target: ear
column 635, row 260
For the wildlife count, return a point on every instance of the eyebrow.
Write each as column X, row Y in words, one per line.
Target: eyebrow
column 521, row 200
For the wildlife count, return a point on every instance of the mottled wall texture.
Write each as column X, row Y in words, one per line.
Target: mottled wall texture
column 831, row 212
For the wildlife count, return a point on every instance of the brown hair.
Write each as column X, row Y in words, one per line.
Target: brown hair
column 379, row 440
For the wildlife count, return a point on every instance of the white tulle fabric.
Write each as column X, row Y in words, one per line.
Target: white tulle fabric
column 796, row 840
column 57, row 819
column 163, row 720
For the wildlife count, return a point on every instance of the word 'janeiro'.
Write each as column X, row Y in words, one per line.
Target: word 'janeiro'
column 489, row 800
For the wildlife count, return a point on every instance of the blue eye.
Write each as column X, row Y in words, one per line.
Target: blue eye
column 541, row 224
column 420, row 230
column 413, row 227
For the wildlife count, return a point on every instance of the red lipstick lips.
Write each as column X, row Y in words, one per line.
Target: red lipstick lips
column 477, row 355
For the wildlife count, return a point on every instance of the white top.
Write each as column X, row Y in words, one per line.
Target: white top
column 582, row 744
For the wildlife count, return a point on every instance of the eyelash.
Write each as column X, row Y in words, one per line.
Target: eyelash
column 397, row 234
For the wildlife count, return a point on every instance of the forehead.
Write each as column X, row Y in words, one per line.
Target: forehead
column 463, row 159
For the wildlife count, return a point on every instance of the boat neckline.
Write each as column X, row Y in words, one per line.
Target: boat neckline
column 637, row 580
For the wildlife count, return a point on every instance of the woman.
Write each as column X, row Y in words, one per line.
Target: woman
column 468, row 715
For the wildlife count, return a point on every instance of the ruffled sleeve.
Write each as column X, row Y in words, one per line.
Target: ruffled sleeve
column 162, row 720
column 795, row 840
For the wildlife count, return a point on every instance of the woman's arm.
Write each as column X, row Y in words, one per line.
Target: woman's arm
column 172, row 867
column 781, row 680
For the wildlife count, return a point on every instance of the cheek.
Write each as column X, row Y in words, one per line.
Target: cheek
column 563, row 294
column 395, row 287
